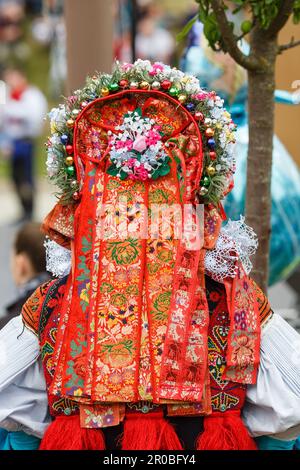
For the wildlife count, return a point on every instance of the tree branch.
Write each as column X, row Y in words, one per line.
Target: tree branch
column 249, row 62
column 281, row 18
column 290, row 45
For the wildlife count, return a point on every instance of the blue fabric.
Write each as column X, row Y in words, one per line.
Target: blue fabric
column 269, row 443
column 297, row 444
column 23, row 151
column 18, row 441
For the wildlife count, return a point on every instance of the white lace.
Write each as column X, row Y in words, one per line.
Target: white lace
column 58, row 259
column 236, row 241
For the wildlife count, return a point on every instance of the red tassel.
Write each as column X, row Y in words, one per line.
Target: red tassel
column 65, row 433
column 149, row 432
column 225, row 431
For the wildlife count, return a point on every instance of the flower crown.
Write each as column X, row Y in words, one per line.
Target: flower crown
column 215, row 124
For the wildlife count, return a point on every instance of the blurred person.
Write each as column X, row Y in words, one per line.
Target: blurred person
column 11, row 17
column 21, row 121
column 34, row 7
column 28, row 265
column 153, row 42
column 13, row 45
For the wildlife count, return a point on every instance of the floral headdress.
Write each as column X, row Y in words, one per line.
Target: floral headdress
column 144, row 123
column 214, row 122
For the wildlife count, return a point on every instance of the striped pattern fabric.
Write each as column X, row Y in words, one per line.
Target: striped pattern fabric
column 265, row 311
column 32, row 308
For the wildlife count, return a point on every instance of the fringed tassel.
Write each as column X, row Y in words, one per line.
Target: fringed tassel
column 149, row 432
column 65, row 433
column 225, row 431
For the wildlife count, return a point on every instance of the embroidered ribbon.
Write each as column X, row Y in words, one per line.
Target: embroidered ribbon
column 124, row 289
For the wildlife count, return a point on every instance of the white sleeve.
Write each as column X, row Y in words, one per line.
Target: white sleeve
column 19, row 348
column 23, row 397
column 273, row 403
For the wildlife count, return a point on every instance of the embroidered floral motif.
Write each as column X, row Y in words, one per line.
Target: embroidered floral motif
column 244, row 334
column 100, row 416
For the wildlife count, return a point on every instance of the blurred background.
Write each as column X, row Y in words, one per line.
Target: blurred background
column 47, row 47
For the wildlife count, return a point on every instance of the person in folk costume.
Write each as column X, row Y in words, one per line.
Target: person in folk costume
column 157, row 338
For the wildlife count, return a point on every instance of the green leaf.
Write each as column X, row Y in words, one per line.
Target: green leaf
column 184, row 32
column 113, row 170
column 155, row 174
column 164, row 170
column 211, row 30
column 123, row 175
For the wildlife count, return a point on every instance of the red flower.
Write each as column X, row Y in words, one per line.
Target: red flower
column 79, row 365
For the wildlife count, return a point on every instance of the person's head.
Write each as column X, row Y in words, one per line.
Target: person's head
column 28, row 258
column 15, row 78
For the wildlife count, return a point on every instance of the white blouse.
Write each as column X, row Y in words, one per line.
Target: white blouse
column 273, row 403
column 23, row 397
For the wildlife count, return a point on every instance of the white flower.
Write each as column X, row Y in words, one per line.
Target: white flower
column 217, row 113
column 210, row 103
column 52, row 163
column 140, row 64
column 57, row 117
column 55, row 139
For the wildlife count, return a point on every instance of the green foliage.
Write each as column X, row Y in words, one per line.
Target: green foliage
column 187, row 28
column 296, row 12
column 262, row 12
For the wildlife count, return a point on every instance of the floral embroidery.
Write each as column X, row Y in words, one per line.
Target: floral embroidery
column 124, row 252
column 100, row 416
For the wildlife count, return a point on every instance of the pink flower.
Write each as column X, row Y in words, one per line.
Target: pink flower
column 141, row 173
column 153, row 137
column 156, row 68
column 131, row 162
column 120, row 144
column 200, row 96
column 129, row 144
column 133, row 177
column 140, row 144
column 126, row 66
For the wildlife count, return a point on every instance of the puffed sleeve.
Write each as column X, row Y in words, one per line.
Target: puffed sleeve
column 23, row 397
column 273, row 403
